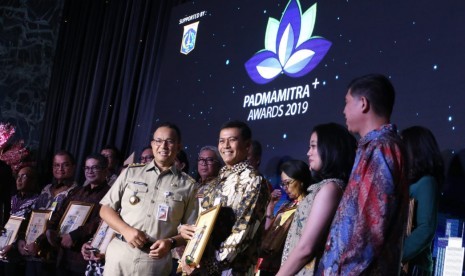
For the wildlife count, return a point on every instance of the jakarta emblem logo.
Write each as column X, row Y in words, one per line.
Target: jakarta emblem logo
column 189, row 37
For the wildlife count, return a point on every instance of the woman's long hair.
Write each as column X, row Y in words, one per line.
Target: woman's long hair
column 336, row 147
column 423, row 155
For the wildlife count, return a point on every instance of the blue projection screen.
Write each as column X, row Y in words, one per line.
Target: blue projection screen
column 283, row 67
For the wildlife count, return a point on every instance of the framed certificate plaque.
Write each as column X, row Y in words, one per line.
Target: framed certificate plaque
column 75, row 215
column 37, row 224
column 204, row 227
column 10, row 231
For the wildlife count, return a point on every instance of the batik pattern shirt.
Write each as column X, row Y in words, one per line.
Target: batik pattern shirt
column 367, row 231
column 243, row 190
column 21, row 205
column 46, row 200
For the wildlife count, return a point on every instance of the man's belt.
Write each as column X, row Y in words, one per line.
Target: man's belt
column 146, row 246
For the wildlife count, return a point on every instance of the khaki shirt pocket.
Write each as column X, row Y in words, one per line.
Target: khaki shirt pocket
column 135, row 192
column 176, row 205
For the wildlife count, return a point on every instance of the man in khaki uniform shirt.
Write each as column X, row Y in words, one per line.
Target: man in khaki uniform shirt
column 154, row 199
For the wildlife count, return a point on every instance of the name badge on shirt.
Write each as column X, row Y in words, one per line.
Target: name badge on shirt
column 53, row 206
column 162, row 213
column 217, row 201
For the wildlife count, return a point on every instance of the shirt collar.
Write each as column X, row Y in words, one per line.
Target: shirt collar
column 151, row 167
column 19, row 195
column 96, row 189
column 372, row 135
column 68, row 182
column 235, row 168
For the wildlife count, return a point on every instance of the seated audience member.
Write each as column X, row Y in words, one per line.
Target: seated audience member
column 146, row 156
column 26, row 186
column 209, row 164
column 21, row 206
column 295, row 179
column 71, row 261
column 242, row 189
column 113, row 156
column 51, row 198
column 426, row 174
column 330, row 156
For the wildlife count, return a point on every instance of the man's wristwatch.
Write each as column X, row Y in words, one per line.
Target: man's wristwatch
column 173, row 242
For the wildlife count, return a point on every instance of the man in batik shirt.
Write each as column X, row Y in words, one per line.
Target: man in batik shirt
column 367, row 231
column 241, row 188
column 51, row 198
column 21, row 203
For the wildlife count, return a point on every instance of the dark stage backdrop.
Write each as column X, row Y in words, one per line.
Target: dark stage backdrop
column 104, row 78
column 283, row 66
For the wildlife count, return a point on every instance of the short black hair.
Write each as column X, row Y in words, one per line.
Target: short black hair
column 378, row 90
column 423, row 154
column 246, row 132
column 115, row 150
column 66, row 153
column 336, row 147
column 297, row 169
column 146, row 148
column 102, row 160
column 173, row 127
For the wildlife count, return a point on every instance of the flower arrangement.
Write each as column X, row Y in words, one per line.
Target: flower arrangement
column 13, row 154
column 6, row 132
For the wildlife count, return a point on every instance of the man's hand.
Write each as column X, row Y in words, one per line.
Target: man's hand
column 21, row 248
column 186, row 231
column 32, row 249
column 86, row 254
column 160, row 248
column 189, row 270
column 89, row 254
column 66, row 241
column 4, row 251
column 135, row 238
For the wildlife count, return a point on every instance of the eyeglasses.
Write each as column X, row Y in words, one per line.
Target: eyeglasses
column 206, row 161
column 286, row 183
column 93, row 169
column 160, row 142
column 146, row 158
column 57, row 166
